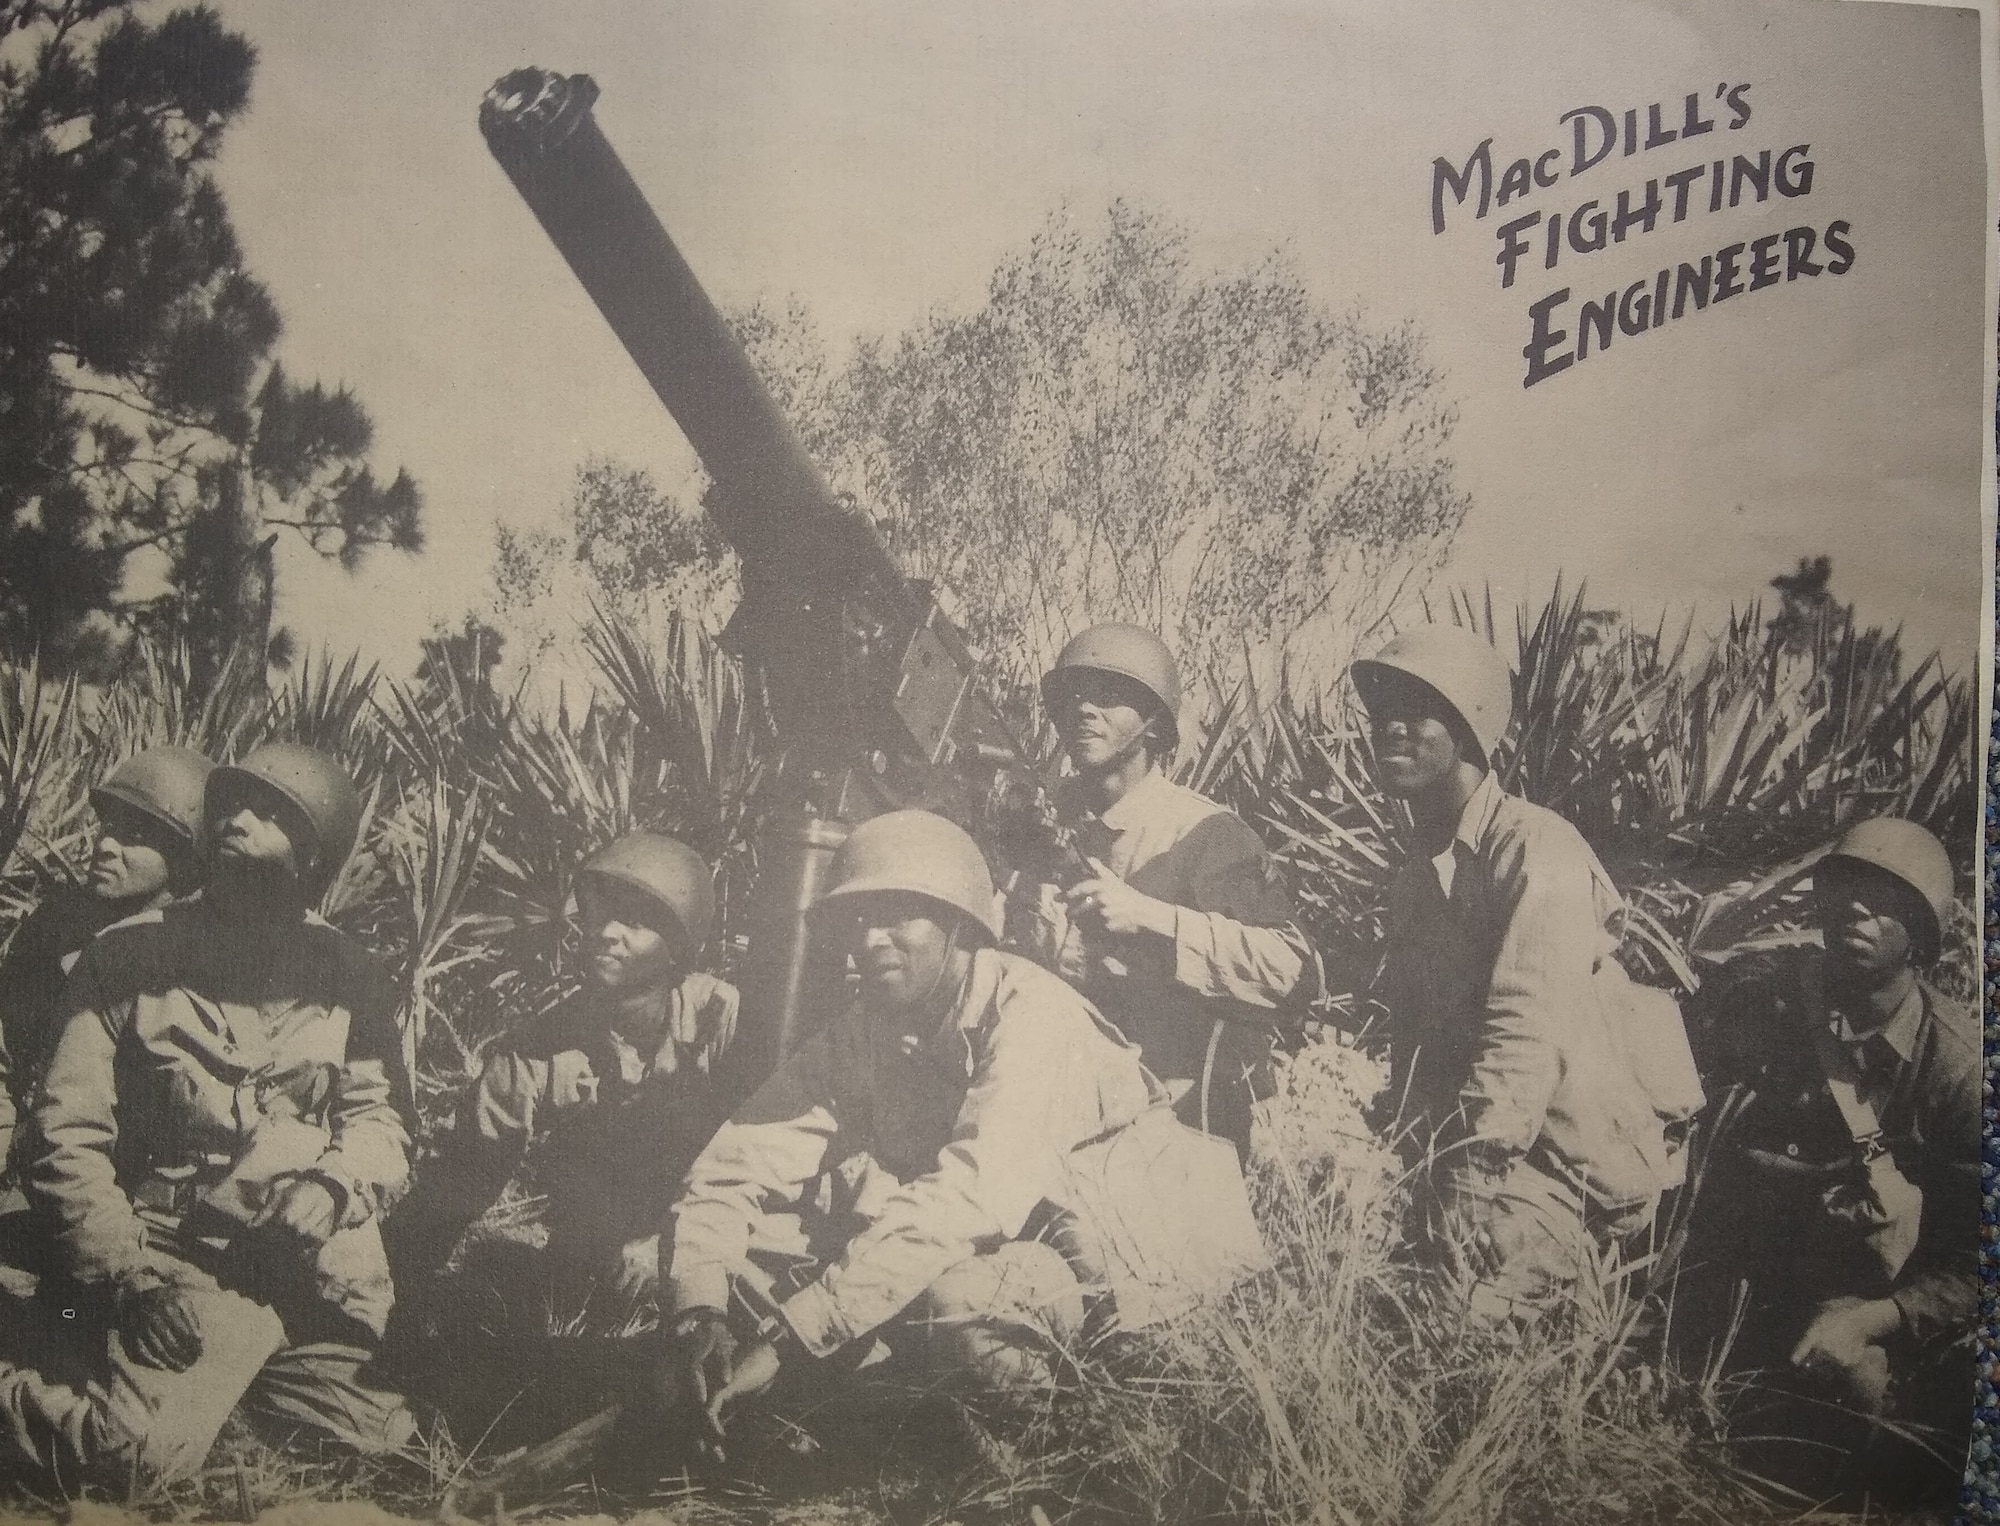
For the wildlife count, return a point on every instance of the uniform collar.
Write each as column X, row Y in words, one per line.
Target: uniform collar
column 1137, row 802
column 644, row 1046
column 1899, row 1032
column 953, row 1035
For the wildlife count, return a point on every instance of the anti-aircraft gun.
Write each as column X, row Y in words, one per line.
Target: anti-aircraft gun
column 871, row 687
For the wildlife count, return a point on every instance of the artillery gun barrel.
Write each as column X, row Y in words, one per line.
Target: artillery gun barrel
column 773, row 504
column 870, row 685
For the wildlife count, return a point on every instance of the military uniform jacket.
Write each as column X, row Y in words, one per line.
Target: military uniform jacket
column 1501, row 990
column 621, row 1119
column 1235, row 954
column 932, row 1148
column 1920, row 1072
column 31, row 989
column 202, row 1062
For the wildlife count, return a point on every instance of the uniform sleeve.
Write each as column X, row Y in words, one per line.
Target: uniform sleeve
column 704, row 1020
column 369, row 1152
column 1938, row 1292
column 99, row 1237
column 368, row 1148
column 1235, row 940
column 1540, row 987
column 758, row 1162
column 486, row 1145
column 504, row 1105
column 1000, row 1163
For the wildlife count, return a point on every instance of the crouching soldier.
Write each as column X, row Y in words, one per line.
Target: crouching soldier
column 1840, row 1208
column 1175, row 921
column 1516, row 1040
column 148, row 826
column 219, row 1131
column 958, row 1170
column 624, row 1084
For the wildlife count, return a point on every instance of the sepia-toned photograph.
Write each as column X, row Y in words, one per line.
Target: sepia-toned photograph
column 1004, row 764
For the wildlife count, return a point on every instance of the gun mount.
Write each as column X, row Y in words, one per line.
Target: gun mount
column 870, row 685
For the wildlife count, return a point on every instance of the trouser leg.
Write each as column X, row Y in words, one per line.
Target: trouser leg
column 1920, row 1454
column 76, row 1407
column 322, row 1386
column 449, row 1197
column 997, row 1322
column 1519, row 1244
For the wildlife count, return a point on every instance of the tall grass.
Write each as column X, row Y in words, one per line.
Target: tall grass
column 1341, row 1388
column 1707, row 773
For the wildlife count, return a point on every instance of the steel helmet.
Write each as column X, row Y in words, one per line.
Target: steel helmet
column 1461, row 667
column 164, row 784
column 313, row 784
column 670, row 874
column 1911, row 854
column 917, row 853
column 1131, row 651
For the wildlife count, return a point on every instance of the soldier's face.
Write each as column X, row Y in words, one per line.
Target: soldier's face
column 131, row 859
column 1416, row 747
column 1865, row 920
column 1099, row 716
column 247, row 829
column 899, row 949
column 626, row 948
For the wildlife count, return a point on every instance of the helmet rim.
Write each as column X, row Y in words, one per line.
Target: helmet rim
column 334, row 823
column 1909, row 854
column 132, row 801
column 1458, row 665
column 167, row 785
column 931, row 858
column 1155, row 670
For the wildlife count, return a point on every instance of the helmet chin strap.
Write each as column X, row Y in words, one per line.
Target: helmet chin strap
column 1145, row 734
column 944, row 966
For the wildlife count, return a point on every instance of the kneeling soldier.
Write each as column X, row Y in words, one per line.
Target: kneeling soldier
column 1511, row 1024
column 1177, row 924
column 149, row 825
column 963, row 1163
column 625, row 1083
column 220, row 1129
column 1843, row 1190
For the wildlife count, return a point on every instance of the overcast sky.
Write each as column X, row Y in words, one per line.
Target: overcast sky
column 877, row 160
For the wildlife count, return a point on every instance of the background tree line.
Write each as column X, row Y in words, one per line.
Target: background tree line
column 152, row 446
column 1115, row 433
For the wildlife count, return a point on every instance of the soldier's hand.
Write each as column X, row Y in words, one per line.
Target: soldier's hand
column 1479, row 1233
column 1844, row 1342
column 716, row 1021
column 159, row 1328
column 1105, row 903
column 755, row 1371
column 698, row 1362
column 637, row 1273
column 304, row 1208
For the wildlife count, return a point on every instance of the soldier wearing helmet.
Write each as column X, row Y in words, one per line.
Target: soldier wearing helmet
column 622, row 1085
column 223, row 1123
column 1536, row 1138
column 915, row 1182
column 148, row 813
column 1174, row 921
column 1841, row 1202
